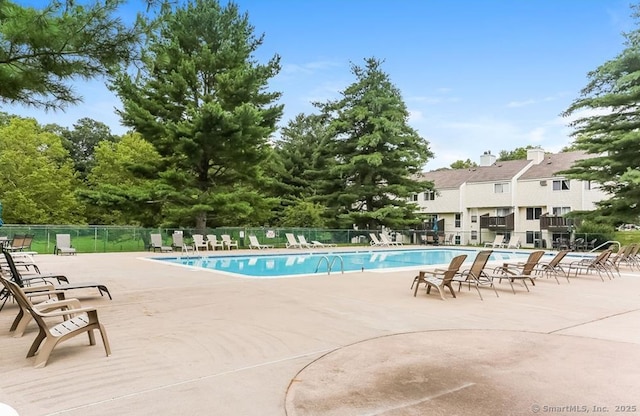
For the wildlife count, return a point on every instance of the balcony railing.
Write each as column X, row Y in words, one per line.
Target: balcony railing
column 557, row 223
column 505, row 223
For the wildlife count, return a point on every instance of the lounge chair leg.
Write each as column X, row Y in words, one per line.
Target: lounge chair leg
column 480, row 294
column 105, row 340
column 92, row 338
column 45, row 352
column 36, row 343
column 416, row 290
column 494, row 290
column 104, row 289
column 16, row 321
column 22, row 326
column 451, row 290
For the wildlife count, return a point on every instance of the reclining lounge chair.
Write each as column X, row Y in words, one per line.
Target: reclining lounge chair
column 63, row 244
column 16, row 277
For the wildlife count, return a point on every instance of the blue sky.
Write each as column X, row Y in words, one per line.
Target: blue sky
column 475, row 75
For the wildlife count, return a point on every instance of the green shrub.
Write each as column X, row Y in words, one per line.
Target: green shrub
column 601, row 232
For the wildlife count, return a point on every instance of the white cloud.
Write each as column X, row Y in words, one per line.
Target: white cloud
column 453, row 139
column 531, row 101
column 308, row 68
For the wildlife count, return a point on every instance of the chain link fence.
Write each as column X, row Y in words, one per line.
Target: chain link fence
column 105, row 239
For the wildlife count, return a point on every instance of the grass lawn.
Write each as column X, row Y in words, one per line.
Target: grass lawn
column 627, row 237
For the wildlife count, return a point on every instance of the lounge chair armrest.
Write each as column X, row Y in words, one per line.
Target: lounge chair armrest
column 68, row 312
column 72, row 305
column 45, row 288
column 60, row 294
column 507, row 270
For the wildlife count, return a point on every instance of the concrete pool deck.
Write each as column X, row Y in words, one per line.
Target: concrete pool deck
column 194, row 342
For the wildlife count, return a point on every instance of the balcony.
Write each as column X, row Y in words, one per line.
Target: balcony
column 557, row 224
column 505, row 223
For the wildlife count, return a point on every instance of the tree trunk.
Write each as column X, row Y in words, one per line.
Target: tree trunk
column 201, row 223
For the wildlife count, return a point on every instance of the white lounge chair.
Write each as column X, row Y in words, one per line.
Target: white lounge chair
column 213, row 242
column 375, row 242
column 303, row 241
column 497, row 242
column 292, row 242
column 254, row 243
column 228, row 242
column 178, row 242
column 318, row 244
column 514, row 242
column 199, row 242
column 385, row 241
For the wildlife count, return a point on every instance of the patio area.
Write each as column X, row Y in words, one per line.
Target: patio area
column 196, row 342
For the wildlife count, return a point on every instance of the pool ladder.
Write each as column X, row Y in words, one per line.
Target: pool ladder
column 330, row 263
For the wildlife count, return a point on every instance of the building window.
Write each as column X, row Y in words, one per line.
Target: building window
column 532, row 236
column 429, row 195
column 474, row 218
column 560, row 211
column 457, row 240
column 415, row 197
column 501, row 188
column 534, row 213
column 561, row 185
column 589, row 185
column 458, row 220
column 474, row 235
column 503, row 212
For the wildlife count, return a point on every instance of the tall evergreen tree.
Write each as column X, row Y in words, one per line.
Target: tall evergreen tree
column 610, row 131
column 201, row 99
column 377, row 152
column 42, row 51
column 305, row 155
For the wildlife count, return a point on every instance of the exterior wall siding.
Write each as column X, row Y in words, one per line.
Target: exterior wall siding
column 473, row 199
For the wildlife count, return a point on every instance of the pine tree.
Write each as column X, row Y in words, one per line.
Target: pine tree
column 42, row 51
column 610, row 131
column 201, row 100
column 376, row 153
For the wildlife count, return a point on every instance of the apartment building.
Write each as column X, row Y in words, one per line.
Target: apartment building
column 525, row 198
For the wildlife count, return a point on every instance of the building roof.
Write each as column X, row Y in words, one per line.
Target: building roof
column 499, row 171
column 453, row 178
column 552, row 164
column 447, row 178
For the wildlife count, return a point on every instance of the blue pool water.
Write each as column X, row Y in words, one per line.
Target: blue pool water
column 287, row 265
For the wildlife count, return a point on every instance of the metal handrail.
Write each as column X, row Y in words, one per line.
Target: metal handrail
column 330, row 263
column 333, row 260
column 605, row 243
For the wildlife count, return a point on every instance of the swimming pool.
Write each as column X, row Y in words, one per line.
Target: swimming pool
column 296, row 264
